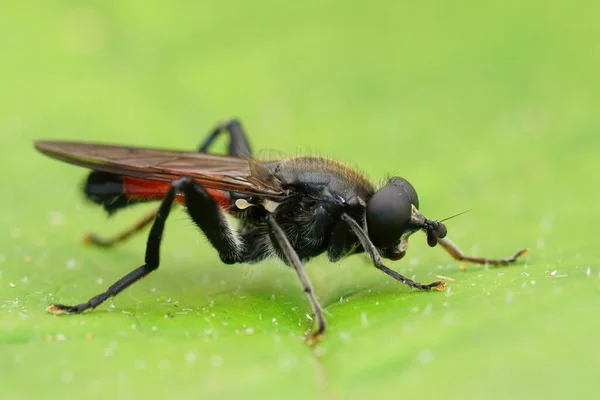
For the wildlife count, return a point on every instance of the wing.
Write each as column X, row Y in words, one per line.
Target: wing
column 213, row 171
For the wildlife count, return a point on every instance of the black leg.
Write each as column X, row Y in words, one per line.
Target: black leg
column 455, row 252
column 238, row 141
column 283, row 244
column 376, row 258
column 206, row 214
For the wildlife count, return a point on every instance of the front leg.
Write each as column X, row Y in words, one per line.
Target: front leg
column 455, row 252
column 376, row 258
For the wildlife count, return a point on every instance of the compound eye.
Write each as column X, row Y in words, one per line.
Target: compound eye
column 407, row 187
column 388, row 214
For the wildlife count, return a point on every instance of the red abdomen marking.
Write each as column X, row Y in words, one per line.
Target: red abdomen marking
column 138, row 189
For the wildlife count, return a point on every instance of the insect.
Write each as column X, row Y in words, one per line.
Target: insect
column 293, row 209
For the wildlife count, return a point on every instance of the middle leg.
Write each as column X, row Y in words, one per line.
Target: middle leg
column 281, row 241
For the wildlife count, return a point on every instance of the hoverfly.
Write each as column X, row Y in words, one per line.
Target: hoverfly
column 293, row 209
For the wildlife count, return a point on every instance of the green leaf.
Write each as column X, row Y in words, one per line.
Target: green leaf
column 486, row 107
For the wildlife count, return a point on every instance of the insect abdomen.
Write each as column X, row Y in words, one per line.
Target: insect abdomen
column 114, row 192
column 107, row 190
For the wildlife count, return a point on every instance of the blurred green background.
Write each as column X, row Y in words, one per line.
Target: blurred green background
column 490, row 107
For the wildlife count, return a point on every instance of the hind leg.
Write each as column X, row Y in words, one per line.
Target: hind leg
column 239, row 146
column 205, row 213
column 238, row 140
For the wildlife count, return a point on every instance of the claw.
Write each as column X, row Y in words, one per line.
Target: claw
column 56, row 309
column 314, row 338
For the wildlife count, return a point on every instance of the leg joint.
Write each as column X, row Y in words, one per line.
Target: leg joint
column 228, row 123
column 182, row 183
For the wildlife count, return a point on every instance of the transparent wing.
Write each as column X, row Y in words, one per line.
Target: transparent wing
column 219, row 172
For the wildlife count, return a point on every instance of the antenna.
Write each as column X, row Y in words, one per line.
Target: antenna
column 454, row 216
